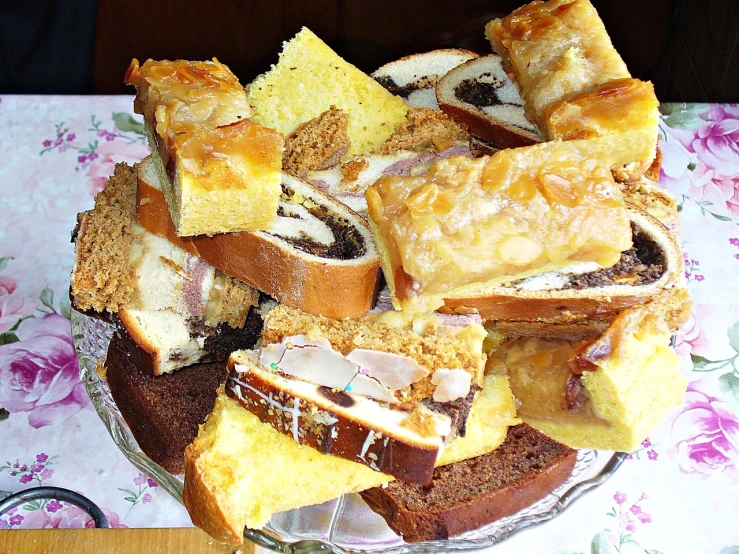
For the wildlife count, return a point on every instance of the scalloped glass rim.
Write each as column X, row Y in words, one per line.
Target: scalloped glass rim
column 91, row 337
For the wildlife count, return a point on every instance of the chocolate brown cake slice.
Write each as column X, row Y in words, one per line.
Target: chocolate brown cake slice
column 164, row 411
column 468, row 494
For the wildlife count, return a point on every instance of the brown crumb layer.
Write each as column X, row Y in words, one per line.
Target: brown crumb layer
column 434, row 350
column 102, row 278
column 423, row 128
column 317, row 144
column 471, row 493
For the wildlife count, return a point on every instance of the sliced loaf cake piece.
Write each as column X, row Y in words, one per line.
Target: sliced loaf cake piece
column 414, row 77
column 480, row 94
column 468, row 494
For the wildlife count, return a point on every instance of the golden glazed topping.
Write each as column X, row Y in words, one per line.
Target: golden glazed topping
column 494, row 219
column 186, row 94
column 556, row 50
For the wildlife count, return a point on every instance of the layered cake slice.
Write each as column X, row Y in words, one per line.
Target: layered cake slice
column 220, row 169
column 386, row 396
column 240, row 471
column 174, row 307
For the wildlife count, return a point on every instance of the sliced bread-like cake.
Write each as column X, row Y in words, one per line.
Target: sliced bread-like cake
column 414, row 77
column 319, row 255
column 480, row 94
column 468, row 494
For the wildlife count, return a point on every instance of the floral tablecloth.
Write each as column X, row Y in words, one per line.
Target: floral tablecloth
column 679, row 493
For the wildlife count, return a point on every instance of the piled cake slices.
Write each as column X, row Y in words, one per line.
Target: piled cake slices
column 539, row 282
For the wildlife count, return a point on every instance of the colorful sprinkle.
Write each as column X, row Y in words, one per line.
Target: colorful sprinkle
column 273, row 365
column 349, row 388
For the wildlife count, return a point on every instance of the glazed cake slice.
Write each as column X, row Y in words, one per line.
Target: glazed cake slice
column 225, row 485
column 481, row 221
column 469, row 494
column 373, row 393
column 574, row 83
column 606, row 393
column 555, row 50
column 319, row 255
column 220, row 170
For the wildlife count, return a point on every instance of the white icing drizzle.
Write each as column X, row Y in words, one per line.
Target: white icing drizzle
column 294, row 411
column 367, row 443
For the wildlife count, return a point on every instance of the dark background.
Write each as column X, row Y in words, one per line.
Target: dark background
column 687, row 48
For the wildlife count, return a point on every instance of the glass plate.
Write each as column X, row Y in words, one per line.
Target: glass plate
column 345, row 525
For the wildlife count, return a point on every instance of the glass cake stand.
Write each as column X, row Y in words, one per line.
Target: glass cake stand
column 345, row 525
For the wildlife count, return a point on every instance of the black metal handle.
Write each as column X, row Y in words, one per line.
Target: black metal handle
column 57, row 493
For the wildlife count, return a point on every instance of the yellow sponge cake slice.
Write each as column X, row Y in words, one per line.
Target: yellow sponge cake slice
column 607, row 394
column 310, row 78
column 220, row 170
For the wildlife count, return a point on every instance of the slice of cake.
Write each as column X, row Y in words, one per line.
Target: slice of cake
column 480, row 94
column 555, row 50
column 318, row 256
column 163, row 412
column 414, row 77
column 605, row 394
column 476, row 223
column 468, row 494
column 240, row 471
column 221, row 170
column 385, row 396
column 620, row 117
column 574, row 83
column 308, row 79
column 172, row 305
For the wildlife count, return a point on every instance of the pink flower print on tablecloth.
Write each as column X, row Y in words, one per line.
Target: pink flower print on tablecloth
column 37, row 471
column 139, row 496
column 692, row 269
column 705, row 435
column 12, row 306
column 630, row 516
column 714, row 192
column 717, row 141
column 40, row 373
column 716, row 175
column 702, row 332
column 107, row 155
column 56, row 515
